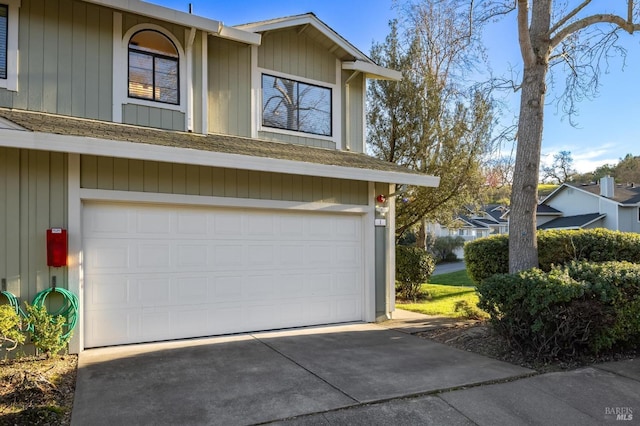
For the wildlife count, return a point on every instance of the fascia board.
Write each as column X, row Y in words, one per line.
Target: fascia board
column 166, row 14
column 372, row 70
column 140, row 151
column 234, row 34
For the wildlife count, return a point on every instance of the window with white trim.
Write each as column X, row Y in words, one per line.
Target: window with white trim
column 9, row 44
column 4, row 37
column 296, row 106
column 153, row 68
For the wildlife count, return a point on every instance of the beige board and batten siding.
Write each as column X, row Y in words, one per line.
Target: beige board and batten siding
column 65, row 57
column 291, row 52
column 33, row 195
column 157, row 177
column 142, row 115
column 229, row 83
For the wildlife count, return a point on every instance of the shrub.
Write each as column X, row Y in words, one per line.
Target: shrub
column 468, row 310
column 11, row 333
column 485, row 257
column 414, row 266
column 488, row 256
column 580, row 308
column 46, row 330
column 443, row 248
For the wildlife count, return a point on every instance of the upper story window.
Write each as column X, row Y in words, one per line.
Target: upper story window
column 9, row 44
column 293, row 105
column 4, row 36
column 153, row 67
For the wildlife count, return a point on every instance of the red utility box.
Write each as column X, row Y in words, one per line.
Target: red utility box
column 57, row 247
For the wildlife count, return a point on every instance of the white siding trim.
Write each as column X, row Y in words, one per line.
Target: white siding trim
column 140, row 151
column 189, row 36
column 336, row 108
column 13, row 20
column 256, row 93
column 369, row 250
column 74, row 225
column 205, row 84
column 364, row 121
column 119, row 77
column 391, row 253
column 208, row 201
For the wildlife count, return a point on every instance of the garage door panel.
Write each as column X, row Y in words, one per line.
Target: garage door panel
column 192, row 255
column 156, row 256
column 259, row 286
column 227, row 224
column 292, row 255
column 154, row 291
column 108, row 290
column 108, row 255
column 192, row 224
column 181, row 272
column 227, row 256
column 260, row 255
column 228, row 287
column 291, row 227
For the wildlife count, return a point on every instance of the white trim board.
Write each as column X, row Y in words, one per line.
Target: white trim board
column 209, row 201
column 140, row 151
column 211, row 26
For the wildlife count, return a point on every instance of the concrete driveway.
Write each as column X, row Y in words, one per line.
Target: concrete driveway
column 274, row 376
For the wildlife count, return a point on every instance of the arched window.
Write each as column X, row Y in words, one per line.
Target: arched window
column 153, row 67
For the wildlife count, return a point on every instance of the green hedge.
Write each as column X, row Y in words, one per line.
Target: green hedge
column 488, row 256
column 414, row 266
column 577, row 309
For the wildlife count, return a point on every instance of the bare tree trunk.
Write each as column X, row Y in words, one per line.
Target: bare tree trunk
column 535, row 47
column 523, row 245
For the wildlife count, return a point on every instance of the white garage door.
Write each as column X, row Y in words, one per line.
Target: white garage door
column 167, row 272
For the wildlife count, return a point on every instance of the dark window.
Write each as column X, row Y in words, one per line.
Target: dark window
column 293, row 105
column 4, row 26
column 153, row 67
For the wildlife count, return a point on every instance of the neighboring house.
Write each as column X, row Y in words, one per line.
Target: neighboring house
column 211, row 179
column 601, row 205
column 488, row 220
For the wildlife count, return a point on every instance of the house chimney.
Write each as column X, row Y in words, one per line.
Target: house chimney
column 607, row 185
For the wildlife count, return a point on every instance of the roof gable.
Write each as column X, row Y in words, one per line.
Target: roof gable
column 352, row 58
column 622, row 194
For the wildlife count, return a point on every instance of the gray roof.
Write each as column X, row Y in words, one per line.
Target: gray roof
column 473, row 222
column 623, row 194
column 72, row 126
column 496, row 211
column 546, row 209
column 574, row 222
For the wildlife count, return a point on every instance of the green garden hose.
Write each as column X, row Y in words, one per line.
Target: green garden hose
column 69, row 310
column 15, row 304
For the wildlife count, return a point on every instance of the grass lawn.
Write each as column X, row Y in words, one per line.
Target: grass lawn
column 442, row 300
column 458, row 278
column 445, row 291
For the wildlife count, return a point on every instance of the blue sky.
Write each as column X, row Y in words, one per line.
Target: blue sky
column 608, row 126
